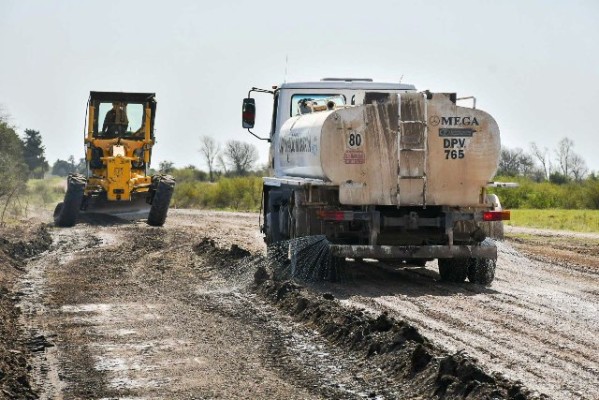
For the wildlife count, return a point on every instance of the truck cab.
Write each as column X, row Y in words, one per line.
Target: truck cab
column 290, row 99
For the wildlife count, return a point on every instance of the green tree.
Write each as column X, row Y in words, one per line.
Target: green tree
column 166, row 167
column 62, row 168
column 33, row 153
column 81, row 166
column 13, row 170
column 188, row 173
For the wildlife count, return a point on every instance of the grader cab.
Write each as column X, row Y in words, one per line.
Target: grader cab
column 119, row 137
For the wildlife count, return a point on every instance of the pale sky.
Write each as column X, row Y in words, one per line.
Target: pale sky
column 533, row 65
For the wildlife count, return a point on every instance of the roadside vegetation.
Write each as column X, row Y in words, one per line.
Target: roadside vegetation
column 531, row 194
column 556, row 189
column 569, row 220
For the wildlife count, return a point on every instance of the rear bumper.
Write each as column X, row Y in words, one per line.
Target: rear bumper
column 384, row 252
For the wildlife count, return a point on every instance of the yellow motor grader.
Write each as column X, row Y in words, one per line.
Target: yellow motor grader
column 119, row 136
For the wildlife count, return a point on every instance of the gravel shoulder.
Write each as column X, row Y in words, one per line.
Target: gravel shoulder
column 572, row 249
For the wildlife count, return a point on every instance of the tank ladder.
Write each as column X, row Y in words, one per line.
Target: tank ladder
column 412, row 148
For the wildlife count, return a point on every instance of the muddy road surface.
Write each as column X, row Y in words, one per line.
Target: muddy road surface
column 189, row 311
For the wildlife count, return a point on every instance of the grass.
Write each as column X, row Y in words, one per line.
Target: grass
column 569, row 220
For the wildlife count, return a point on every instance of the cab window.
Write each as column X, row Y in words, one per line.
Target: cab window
column 306, row 103
column 119, row 119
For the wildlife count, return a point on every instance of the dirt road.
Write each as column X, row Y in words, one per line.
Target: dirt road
column 129, row 311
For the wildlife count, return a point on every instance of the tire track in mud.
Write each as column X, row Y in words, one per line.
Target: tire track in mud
column 34, row 308
column 124, row 309
column 533, row 324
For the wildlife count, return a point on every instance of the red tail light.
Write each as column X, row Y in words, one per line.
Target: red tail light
column 496, row 215
column 335, row 215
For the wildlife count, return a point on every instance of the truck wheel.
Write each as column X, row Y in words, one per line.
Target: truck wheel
column 481, row 270
column 164, row 186
column 453, row 269
column 66, row 213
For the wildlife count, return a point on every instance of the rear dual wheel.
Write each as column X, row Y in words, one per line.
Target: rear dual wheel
column 481, row 270
column 453, row 269
column 478, row 270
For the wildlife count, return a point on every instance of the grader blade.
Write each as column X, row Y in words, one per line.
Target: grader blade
column 136, row 208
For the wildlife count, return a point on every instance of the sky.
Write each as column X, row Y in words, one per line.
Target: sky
column 533, row 65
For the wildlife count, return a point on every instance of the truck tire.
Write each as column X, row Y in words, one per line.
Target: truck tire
column 481, row 270
column 65, row 213
column 164, row 186
column 453, row 269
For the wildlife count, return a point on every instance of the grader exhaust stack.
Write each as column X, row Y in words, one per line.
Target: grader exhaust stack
column 119, row 140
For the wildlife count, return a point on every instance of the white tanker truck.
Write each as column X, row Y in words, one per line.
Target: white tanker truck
column 384, row 172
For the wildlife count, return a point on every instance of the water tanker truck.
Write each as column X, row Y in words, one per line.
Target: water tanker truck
column 383, row 172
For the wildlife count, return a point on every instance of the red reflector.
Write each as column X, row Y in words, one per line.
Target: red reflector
column 335, row 215
column 496, row 215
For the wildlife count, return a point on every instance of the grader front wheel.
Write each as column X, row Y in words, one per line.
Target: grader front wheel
column 163, row 187
column 65, row 214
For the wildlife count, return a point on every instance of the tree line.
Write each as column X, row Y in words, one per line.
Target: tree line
column 559, row 178
column 20, row 159
column 547, row 179
column 559, row 166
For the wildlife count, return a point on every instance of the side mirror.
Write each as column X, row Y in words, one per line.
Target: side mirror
column 248, row 113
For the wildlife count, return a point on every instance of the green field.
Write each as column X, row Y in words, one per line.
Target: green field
column 570, row 220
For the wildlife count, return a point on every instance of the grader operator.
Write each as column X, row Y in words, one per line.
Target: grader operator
column 118, row 153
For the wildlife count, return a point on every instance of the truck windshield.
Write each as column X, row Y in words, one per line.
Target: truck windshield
column 306, row 103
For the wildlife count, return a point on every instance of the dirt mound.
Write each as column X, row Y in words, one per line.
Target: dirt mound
column 25, row 241
column 396, row 347
column 208, row 247
column 16, row 245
